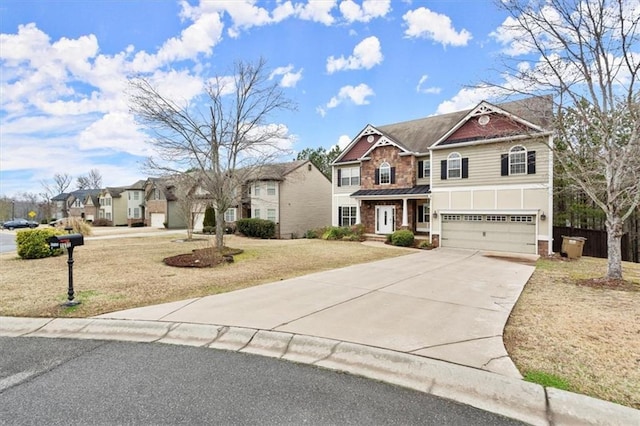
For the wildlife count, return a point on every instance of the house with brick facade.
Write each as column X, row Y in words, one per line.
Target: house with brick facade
column 478, row 179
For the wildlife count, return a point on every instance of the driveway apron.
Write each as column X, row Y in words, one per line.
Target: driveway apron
column 444, row 304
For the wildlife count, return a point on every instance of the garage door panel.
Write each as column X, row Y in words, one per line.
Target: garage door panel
column 498, row 233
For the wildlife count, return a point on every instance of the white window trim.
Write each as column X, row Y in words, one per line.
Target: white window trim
column 231, row 211
column 387, row 168
column 454, row 156
column 514, row 152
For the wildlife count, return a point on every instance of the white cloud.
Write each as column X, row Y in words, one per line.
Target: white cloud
column 427, row 90
column 370, row 9
column 424, row 23
column 357, row 95
column 114, row 131
column 366, row 55
column 468, row 98
column 343, row 141
column 316, row 11
column 289, row 78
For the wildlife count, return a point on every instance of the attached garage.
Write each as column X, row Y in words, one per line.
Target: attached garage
column 157, row 220
column 494, row 232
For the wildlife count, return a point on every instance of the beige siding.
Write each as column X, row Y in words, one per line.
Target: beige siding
column 484, row 165
column 425, row 180
column 305, row 201
column 509, row 199
column 119, row 211
column 484, row 199
column 344, row 189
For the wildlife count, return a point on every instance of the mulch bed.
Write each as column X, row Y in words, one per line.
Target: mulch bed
column 202, row 258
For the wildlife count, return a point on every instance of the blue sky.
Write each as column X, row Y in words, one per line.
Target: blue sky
column 346, row 64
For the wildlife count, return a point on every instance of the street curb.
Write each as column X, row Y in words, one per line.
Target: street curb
column 510, row 397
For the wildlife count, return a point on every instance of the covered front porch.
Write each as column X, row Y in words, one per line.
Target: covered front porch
column 383, row 211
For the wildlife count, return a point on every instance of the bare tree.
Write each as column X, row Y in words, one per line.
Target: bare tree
column 93, row 180
column 224, row 138
column 585, row 53
column 60, row 183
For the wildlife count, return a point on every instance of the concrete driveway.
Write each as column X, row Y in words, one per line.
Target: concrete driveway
column 445, row 304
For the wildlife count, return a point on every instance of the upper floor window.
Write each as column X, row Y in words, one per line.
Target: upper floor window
column 454, row 166
column 77, row 203
column 136, row 195
column 271, row 188
column 517, row 160
column 385, row 173
column 349, row 176
column 256, row 189
column 424, row 169
column 156, row 194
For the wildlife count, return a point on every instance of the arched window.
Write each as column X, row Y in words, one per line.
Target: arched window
column 517, row 160
column 385, row 173
column 454, row 166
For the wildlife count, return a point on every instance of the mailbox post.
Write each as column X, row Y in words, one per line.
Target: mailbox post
column 69, row 242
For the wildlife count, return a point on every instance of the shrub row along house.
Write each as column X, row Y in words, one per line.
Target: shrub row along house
column 296, row 196
column 480, row 178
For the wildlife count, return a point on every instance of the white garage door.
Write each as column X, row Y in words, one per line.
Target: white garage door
column 495, row 232
column 157, row 220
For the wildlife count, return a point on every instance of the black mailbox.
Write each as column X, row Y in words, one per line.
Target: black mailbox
column 66, row 241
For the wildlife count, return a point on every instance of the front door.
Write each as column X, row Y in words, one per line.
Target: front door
column 385, row 219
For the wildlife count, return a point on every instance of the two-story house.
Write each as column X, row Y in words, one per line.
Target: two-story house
column 161, row 204
column 74, row 204
column 113, row 207
column 479, row 179
column 295, row 195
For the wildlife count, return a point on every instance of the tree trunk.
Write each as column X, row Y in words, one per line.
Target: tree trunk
column 614, row 250
column 219, row 230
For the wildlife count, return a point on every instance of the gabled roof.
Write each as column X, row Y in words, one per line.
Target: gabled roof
column 114, row 191
column 420, row 135
column 276, row 171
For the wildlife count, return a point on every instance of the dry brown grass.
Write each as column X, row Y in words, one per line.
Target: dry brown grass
column 115, row 274
column 590, row 337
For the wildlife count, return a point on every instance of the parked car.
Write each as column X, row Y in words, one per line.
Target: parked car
column 19, row 223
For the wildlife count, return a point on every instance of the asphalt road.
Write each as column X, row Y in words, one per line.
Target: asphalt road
column 62, row 381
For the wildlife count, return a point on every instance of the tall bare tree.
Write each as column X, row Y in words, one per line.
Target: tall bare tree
column 586, row 54
column 59, row 184
column 224, row 136
column 92, row 180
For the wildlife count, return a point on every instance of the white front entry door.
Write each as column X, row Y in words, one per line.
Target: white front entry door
column 385, row 223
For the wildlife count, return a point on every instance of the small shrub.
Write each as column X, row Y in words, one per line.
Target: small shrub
column 102, row 222
column 209, row 230
column 230, row 229
column 358, row 230
column 33, row 244
column 335, row 233
column 257, row 228
column 402, row 238
column 137, row 224
column 424, row 244
column 209, row 217
column 311, row 234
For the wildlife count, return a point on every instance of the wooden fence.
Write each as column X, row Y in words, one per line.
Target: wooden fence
column 594, row 246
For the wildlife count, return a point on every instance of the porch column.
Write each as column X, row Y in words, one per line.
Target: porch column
column 405, row 215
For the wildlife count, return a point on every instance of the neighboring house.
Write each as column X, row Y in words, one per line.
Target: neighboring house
column 135, row 198
column 72, row 204
column 296, row 196
column 91, row 206
column 161, row 208
column 113, row 206
column 480, row 178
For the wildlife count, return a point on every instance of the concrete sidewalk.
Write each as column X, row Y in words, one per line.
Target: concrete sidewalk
column 430, row 321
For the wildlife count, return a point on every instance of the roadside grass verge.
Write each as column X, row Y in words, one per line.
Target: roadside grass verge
column 561, row 333
column 122, row 273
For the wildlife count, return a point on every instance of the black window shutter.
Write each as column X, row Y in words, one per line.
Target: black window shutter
column 393, row 175
column 377, row 180
column 339, row 176
column 531, row 162
column 443, row 169
column 420, row 213
column 504, row 164
column 465, row 168
column 420, row 169
column 339, row 216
